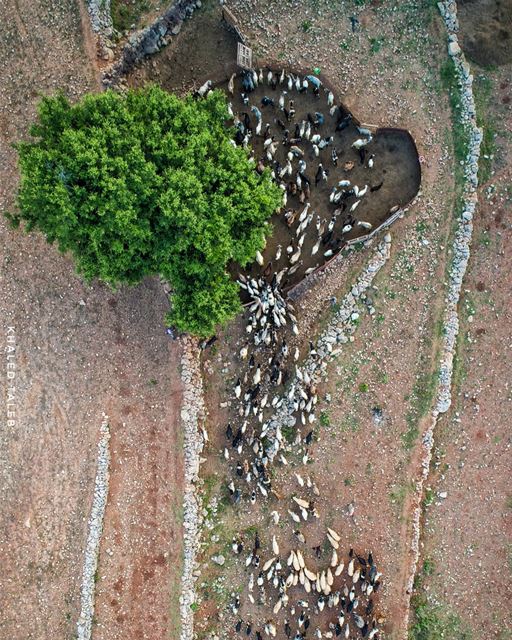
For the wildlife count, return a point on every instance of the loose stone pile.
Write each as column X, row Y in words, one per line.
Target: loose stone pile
column 101, row 17
column 192, row 414
column 84, row 624
column 461, row 252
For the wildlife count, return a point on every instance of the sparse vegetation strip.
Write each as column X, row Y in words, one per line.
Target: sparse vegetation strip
column 467, row 139
column 99, row 501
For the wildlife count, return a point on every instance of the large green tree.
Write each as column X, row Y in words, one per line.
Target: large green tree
column 145, row 183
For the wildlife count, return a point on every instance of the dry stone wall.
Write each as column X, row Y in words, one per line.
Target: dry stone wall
column 99, row 501
column 192, row 416
column 150, row 40
column 461, row 253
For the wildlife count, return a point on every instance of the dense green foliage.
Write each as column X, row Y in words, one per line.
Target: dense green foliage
column 147, row 183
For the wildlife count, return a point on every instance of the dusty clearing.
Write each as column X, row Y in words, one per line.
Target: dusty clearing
column 486, row 27
column 80, row 350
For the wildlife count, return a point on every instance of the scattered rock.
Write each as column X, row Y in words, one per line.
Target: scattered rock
column 454, row 49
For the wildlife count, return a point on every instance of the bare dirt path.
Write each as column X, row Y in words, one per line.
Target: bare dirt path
column 80, row 350
column 140, row 559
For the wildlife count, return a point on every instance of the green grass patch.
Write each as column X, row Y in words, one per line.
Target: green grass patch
column 433, row 621
column 125, row 14
column 460, row 134
column 428, row 566
column 483, row 94
column 398, row 494
column 428, row 498
column 289, row 433
column 325, row 420
column 376, row 45
column 420, row 401
column 306, row 26
column 436, row 622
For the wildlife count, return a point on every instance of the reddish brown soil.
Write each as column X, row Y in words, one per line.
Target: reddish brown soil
column 80, row 351
column 140, row 562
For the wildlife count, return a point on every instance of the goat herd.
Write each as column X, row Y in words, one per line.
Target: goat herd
column 307, row 591
column 317, row 152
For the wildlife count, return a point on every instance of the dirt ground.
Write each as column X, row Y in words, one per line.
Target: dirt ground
column 467, row 539
column 80, row 351
column 486, row 27
column 204, row 48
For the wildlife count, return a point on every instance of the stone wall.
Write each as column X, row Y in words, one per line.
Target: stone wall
column 192, row 416
column 101, row 17
column 461, row 253
column 150, row 40
column 329, row 345
column 99, row 501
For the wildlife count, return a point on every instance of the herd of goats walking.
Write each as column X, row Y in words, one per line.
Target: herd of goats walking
column 326, row 595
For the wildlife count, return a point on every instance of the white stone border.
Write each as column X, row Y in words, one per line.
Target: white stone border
column 192, row 415
column 84, row 624
column 461, row 252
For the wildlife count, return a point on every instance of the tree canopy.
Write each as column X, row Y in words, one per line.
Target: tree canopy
column 145, row 183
